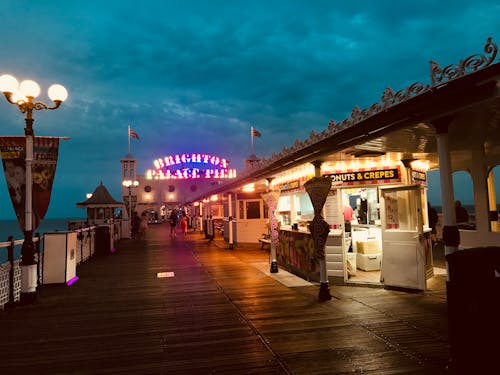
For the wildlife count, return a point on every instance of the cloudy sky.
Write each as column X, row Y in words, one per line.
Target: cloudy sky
column 196, row 75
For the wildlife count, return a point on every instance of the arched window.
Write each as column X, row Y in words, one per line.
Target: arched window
column 493, row 194
column 464, row 197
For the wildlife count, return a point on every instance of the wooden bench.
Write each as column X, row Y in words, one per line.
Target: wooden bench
column 265, row 240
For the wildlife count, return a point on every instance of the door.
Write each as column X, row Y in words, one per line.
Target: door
column 404, row 257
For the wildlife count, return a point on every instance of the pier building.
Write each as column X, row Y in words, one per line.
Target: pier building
column 375, row 163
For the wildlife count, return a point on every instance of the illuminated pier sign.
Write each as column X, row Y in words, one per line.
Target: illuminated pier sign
column 190, row 166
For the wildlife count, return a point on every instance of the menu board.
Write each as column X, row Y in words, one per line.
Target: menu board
column 333, row 213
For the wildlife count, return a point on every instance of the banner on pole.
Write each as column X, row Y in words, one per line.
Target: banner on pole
column 45, row 153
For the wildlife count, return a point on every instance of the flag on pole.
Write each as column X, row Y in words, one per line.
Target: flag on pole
column 254, row 133
column 132, row 134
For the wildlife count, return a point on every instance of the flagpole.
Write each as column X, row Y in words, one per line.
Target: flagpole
column 251, row 136
column 128, row 138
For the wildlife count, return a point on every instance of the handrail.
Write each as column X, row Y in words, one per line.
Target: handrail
column 18, row 242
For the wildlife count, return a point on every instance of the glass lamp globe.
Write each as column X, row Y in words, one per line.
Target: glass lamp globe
column 58, row 93
column 17, row 96
column 29, row 88
column 8, row 83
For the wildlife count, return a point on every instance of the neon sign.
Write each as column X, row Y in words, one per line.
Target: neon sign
column 190, row 166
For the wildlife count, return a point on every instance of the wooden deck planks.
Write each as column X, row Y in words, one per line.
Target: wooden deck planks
column 218, row 314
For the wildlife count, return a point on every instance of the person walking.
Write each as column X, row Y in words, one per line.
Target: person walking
column 135, row 223
column 173, row 222
column 184, row 224
column 143, row 226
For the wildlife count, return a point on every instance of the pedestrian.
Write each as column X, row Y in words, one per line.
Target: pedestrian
column 433, row 220
column 143, row 225
column 461, row 214
column 173, row 222
column 134, row 225
column 184, row 224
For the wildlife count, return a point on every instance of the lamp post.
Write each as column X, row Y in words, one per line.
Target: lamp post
column 129, row 184
column 22, row 95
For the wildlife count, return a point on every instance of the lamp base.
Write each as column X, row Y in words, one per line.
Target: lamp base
column 274, row 267
column 324, row 292
column 27, row 298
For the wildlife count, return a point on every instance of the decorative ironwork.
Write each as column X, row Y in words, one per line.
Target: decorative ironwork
column 439, row 76
column 469, row 65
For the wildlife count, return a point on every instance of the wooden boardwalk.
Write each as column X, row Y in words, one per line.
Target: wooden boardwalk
column 217, row 311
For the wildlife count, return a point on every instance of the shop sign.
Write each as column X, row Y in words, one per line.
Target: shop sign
column 419, row 177
column 191, row 166
column 291, row 185
column 372, row 176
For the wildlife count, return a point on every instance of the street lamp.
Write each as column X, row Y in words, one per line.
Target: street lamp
column 22, row 95
column 129, row 184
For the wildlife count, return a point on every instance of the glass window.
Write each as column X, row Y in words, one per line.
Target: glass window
column 464, row 199
column 303, row 206
column 400, row 210
column 283, row 203
column 241, row 210
column 253, row 210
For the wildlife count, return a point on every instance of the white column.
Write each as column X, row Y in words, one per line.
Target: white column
column 450, row 231
column 230, row 218
column 28, row 265
column 480, row 185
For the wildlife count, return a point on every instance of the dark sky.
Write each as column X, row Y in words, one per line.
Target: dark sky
column 194, row 76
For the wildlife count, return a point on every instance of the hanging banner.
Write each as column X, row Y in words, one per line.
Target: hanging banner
column 45, row 153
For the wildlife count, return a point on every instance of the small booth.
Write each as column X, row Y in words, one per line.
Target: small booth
column 379, row 232
column 379, row 226
column 59, row 257
column 294, row 213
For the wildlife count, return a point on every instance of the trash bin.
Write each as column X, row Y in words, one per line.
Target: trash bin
column 102, row 240
column 473, row 300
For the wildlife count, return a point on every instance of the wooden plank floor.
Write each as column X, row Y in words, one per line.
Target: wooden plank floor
column 219, row 314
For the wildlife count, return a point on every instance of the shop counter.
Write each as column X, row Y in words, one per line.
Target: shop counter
column 295, row 252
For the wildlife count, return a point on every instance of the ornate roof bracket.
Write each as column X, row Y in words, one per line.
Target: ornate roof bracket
column 469, row 65
column 439, row 76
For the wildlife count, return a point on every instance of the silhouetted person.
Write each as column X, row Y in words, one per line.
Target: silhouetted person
column 184, row 223
column 135, row 223
column 461, row 214
column 433, row 220
column 173, row 222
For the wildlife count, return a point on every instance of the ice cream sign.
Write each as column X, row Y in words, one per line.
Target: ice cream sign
column 190, row 166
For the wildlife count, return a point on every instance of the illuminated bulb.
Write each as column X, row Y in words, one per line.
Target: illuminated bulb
column 17, row 97
column 29, row 88
column 8, row 83
column 58, row 93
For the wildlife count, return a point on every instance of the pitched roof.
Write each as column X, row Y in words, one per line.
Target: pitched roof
column 100, row 197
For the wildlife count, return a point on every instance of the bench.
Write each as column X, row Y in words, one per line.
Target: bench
column 265, row 240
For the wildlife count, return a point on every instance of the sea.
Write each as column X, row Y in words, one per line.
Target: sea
column 11, row 228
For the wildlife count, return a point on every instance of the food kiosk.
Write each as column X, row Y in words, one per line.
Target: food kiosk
column 295, row 250
column 387, row 241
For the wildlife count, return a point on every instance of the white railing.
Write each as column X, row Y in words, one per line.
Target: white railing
column 85, row 249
